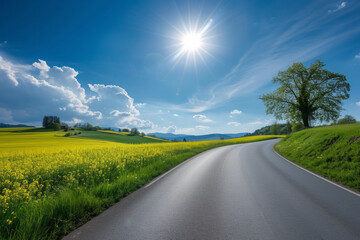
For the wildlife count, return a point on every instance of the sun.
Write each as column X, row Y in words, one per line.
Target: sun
column 192, row 42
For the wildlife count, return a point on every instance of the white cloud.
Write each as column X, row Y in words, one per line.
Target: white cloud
column 171, row 129
column 56, row 90
column 140, row 105
column 74, row 121
column 175, row 115
column 202, row 118
column 357, row 56
column 235, row 124
column 358, row 103
column 132, row 121
column 338, row 7
column 201, row 127
column 235, row 111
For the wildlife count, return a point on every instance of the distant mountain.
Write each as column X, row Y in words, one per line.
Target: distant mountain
column 180, row 137
column 5, row 125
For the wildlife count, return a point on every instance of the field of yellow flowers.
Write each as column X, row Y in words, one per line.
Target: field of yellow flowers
column 49, row 183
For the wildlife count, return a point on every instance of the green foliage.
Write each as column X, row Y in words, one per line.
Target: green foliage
column 275, row 129
column 332, row 151
column 54, row 126
column 134, row 132
column 126, row 130
column 283, row 130
column 297, row 127
column 51, row 122
column 346, row 120
column 307, row 94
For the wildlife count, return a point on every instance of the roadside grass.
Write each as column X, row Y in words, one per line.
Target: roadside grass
column 332, row 151
column 49, row 186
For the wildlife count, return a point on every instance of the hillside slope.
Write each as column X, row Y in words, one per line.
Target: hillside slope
column 117, row 137
column 332, row 151
column 213, row 136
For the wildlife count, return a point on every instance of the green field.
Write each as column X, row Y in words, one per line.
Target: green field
column 117, row 137
column 50, row 184
column 332, row 151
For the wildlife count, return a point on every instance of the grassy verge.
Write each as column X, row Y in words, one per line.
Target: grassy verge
column 333, row 152
column 46, row 193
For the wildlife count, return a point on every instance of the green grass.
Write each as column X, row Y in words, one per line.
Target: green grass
column 114, row 137
column 332, row 151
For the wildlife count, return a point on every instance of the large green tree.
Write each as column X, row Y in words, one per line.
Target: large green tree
column 307, row 94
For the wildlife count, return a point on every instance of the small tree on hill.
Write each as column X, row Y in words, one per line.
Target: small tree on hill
column 135, row 132
column 346, row 120
column 51, row 122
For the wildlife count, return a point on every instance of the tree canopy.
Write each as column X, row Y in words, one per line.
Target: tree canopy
column 307, row 94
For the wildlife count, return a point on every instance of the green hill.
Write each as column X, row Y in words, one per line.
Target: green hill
column 332, row 151
column 282, row 128
column 117, row 137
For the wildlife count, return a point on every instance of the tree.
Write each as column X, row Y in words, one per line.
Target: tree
column 346, row 120
column 134, row 132
column 49, row 121
column 307, row 94
column 275, row 129
column 288, row 127
column 126, row 130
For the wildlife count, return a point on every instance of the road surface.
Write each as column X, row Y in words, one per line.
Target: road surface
column 243, row 191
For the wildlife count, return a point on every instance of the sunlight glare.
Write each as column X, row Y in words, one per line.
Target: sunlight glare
column 192, row 42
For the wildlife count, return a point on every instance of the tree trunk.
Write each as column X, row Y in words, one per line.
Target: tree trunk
column 305, row 118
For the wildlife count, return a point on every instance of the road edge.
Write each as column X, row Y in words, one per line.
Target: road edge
column 343, row 187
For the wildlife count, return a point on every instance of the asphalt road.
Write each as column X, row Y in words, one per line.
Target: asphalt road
column 234, row 192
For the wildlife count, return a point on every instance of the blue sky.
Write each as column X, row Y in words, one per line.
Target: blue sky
column 117, row 63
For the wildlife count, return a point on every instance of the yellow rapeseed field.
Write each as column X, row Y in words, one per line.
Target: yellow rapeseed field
column 38, row 164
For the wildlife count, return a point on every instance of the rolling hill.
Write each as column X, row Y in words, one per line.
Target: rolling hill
column 180, row 137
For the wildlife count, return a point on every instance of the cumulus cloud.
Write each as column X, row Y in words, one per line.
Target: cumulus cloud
column 171, row 129
column 28, row 92
column 358, row 103
column 175, row 115
column 201, row 127
column 357, row 56
column 202, row 118
column 235, row 111
column 338, row 7
column 235, row 124
column 74, row 121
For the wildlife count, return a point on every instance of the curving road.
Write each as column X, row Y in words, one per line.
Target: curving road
column 241, row 191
